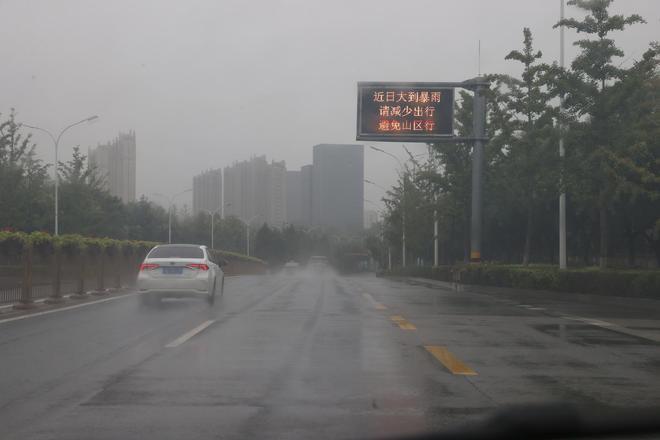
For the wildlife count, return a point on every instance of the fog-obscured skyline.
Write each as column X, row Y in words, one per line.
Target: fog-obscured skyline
column 206, row 83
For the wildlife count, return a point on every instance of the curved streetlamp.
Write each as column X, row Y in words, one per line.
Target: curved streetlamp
column 403, row 203
column 171, row 202
column 56, row 142
column 212, row 214
column 247, row 227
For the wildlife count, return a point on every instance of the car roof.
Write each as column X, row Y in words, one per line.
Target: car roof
column 181, row 244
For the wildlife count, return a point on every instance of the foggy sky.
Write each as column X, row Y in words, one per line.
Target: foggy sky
column 205, row 83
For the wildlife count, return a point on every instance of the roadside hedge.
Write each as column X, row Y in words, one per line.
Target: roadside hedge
column 13, row 243
column 638, row 283
column 234, row 256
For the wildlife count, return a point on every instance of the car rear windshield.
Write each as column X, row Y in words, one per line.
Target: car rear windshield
column 176, row 252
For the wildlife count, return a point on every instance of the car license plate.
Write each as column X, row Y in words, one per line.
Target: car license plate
column 173, row 270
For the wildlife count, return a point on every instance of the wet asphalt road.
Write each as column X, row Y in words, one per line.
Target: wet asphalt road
column 323, row 357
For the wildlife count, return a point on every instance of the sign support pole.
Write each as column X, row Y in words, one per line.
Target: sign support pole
column 372, row 127
column 479, row 133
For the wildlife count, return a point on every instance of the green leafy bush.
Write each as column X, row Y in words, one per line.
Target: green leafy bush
column 644, row 283
column 234, row 256
column 41, row 242
column 13, row 243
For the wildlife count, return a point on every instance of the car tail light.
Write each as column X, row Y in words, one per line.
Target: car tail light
column 148, row 266
column 198, row 266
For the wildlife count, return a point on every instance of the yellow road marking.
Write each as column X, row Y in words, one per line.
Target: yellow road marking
column 373, row 302
column 402, row 322
column 451, row 362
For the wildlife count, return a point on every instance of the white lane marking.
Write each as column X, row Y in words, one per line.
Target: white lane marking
column 183, row 338
column 77, row 306
column 614, row 327
column 535, row 308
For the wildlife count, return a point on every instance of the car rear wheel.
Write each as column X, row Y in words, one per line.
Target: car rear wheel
column 211, row 297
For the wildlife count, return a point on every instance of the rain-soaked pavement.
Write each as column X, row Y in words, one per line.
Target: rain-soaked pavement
column 319, row 356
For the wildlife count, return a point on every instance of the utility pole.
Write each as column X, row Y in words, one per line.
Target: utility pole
column 562, row 195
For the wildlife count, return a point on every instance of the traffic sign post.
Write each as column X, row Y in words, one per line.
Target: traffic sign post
column 424, row 112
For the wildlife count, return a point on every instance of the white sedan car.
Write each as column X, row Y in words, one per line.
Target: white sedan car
column 180, row 270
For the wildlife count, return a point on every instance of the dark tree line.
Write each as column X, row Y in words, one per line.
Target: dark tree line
column 86, row 207
column 611, row 171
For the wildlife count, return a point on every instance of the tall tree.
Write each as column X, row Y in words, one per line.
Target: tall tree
column 24, row 183
column 145, row 221
column 85, row 206
column 454, row 179
column 584, row 89
column 634, row 166
column 528, row 161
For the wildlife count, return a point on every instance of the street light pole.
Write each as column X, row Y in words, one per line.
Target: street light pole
column 562, row 195
column 56, row 142
column 403, row 204
column 169, row 217
column 212, row 214
column 247, row 227
column 389, row 248
column 435, row 237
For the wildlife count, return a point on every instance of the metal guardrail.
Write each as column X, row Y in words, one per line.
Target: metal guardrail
column 41, row 291
column 28, row 277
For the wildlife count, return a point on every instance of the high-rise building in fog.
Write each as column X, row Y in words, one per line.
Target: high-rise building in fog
column 306, row 182
column 294, row 197
column 115, row 163
column 277, row 197
column 338, row 186
column 235, row 195
column 207, row 192
column 256, row 190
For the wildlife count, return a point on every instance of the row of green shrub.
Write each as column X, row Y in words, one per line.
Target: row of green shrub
column 14, row 243
column 644, row 283
column 234, row 256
